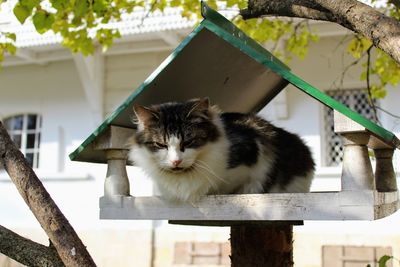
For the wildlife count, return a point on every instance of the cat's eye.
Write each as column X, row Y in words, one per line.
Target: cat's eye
column 192, row 142
column 188, row 142
column 157, row 145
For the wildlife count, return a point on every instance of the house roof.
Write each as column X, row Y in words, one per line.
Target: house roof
column 138, row 22
column 220, row 61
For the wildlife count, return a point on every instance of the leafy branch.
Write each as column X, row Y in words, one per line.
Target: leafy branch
column 7, row 44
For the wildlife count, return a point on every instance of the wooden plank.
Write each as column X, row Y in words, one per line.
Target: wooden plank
column 377, row 143
column 386, row 203
column 114, row 137
column 361, row 205
column 344, row 124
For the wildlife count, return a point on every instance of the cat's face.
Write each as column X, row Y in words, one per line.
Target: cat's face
column 176, row 134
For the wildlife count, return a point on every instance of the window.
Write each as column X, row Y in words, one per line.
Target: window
column 357, row 100
column 354, row 256
column 201, row 253
column 24, row 130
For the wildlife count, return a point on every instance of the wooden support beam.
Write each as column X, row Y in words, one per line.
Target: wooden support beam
column 385, row 177
column 91, row 74
column 114, row 137
column 114, row 142
column 357, row 171
column 117, row 182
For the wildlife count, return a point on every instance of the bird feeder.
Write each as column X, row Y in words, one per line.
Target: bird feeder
column 219, row 61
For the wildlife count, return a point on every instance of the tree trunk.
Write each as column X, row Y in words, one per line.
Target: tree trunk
column 65, row 240
column 256, row 246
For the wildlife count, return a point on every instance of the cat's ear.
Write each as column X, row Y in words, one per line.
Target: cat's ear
column 144, row 115
column 203, row 103
column 199, row 106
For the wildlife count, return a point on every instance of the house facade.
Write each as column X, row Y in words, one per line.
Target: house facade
column 51, row 100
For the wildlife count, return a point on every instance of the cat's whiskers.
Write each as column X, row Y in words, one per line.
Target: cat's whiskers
column 208, row 168
column 205, row 175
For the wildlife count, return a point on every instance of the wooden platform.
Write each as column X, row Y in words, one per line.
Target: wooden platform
column 361, row 205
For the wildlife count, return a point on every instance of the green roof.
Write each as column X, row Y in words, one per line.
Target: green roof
column 219, row 61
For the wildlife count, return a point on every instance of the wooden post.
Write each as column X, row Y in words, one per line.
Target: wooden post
column 357, row 171
column 114, row 143
column 117, row 182
column 385, row 177
column 253, row 246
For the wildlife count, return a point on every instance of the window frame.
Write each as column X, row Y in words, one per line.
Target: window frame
column 24, row 132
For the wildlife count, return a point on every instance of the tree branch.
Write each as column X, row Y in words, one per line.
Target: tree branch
column 370, row 99
column 26, row 251
column 65, row 240
column 288, row 8
column 382, row 30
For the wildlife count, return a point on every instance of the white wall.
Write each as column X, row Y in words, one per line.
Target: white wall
column 124, row 73
column 55, row 92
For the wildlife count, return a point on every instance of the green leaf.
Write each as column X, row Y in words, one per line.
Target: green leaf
column 100, row 6
column 39, row 20
column 11, row 36
column 29, row 4
column 21, row 13
column 43, row 21
column 175, row 3
column 59, row 4
column 80, row 8
column 1, row 54
column 383, row 260
column 11, row 48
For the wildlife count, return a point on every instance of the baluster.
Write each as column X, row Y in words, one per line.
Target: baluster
column 114, row 143
column 385, row 177
column 357, row 171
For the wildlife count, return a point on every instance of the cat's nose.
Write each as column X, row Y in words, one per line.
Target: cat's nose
column 176, row 162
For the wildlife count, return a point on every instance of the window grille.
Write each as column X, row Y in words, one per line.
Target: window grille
column 357, row 100
column 24, row 130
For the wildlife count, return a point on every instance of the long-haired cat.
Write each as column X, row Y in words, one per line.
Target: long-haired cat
column 191, row 149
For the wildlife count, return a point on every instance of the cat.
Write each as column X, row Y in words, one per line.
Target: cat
column 191, row 149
